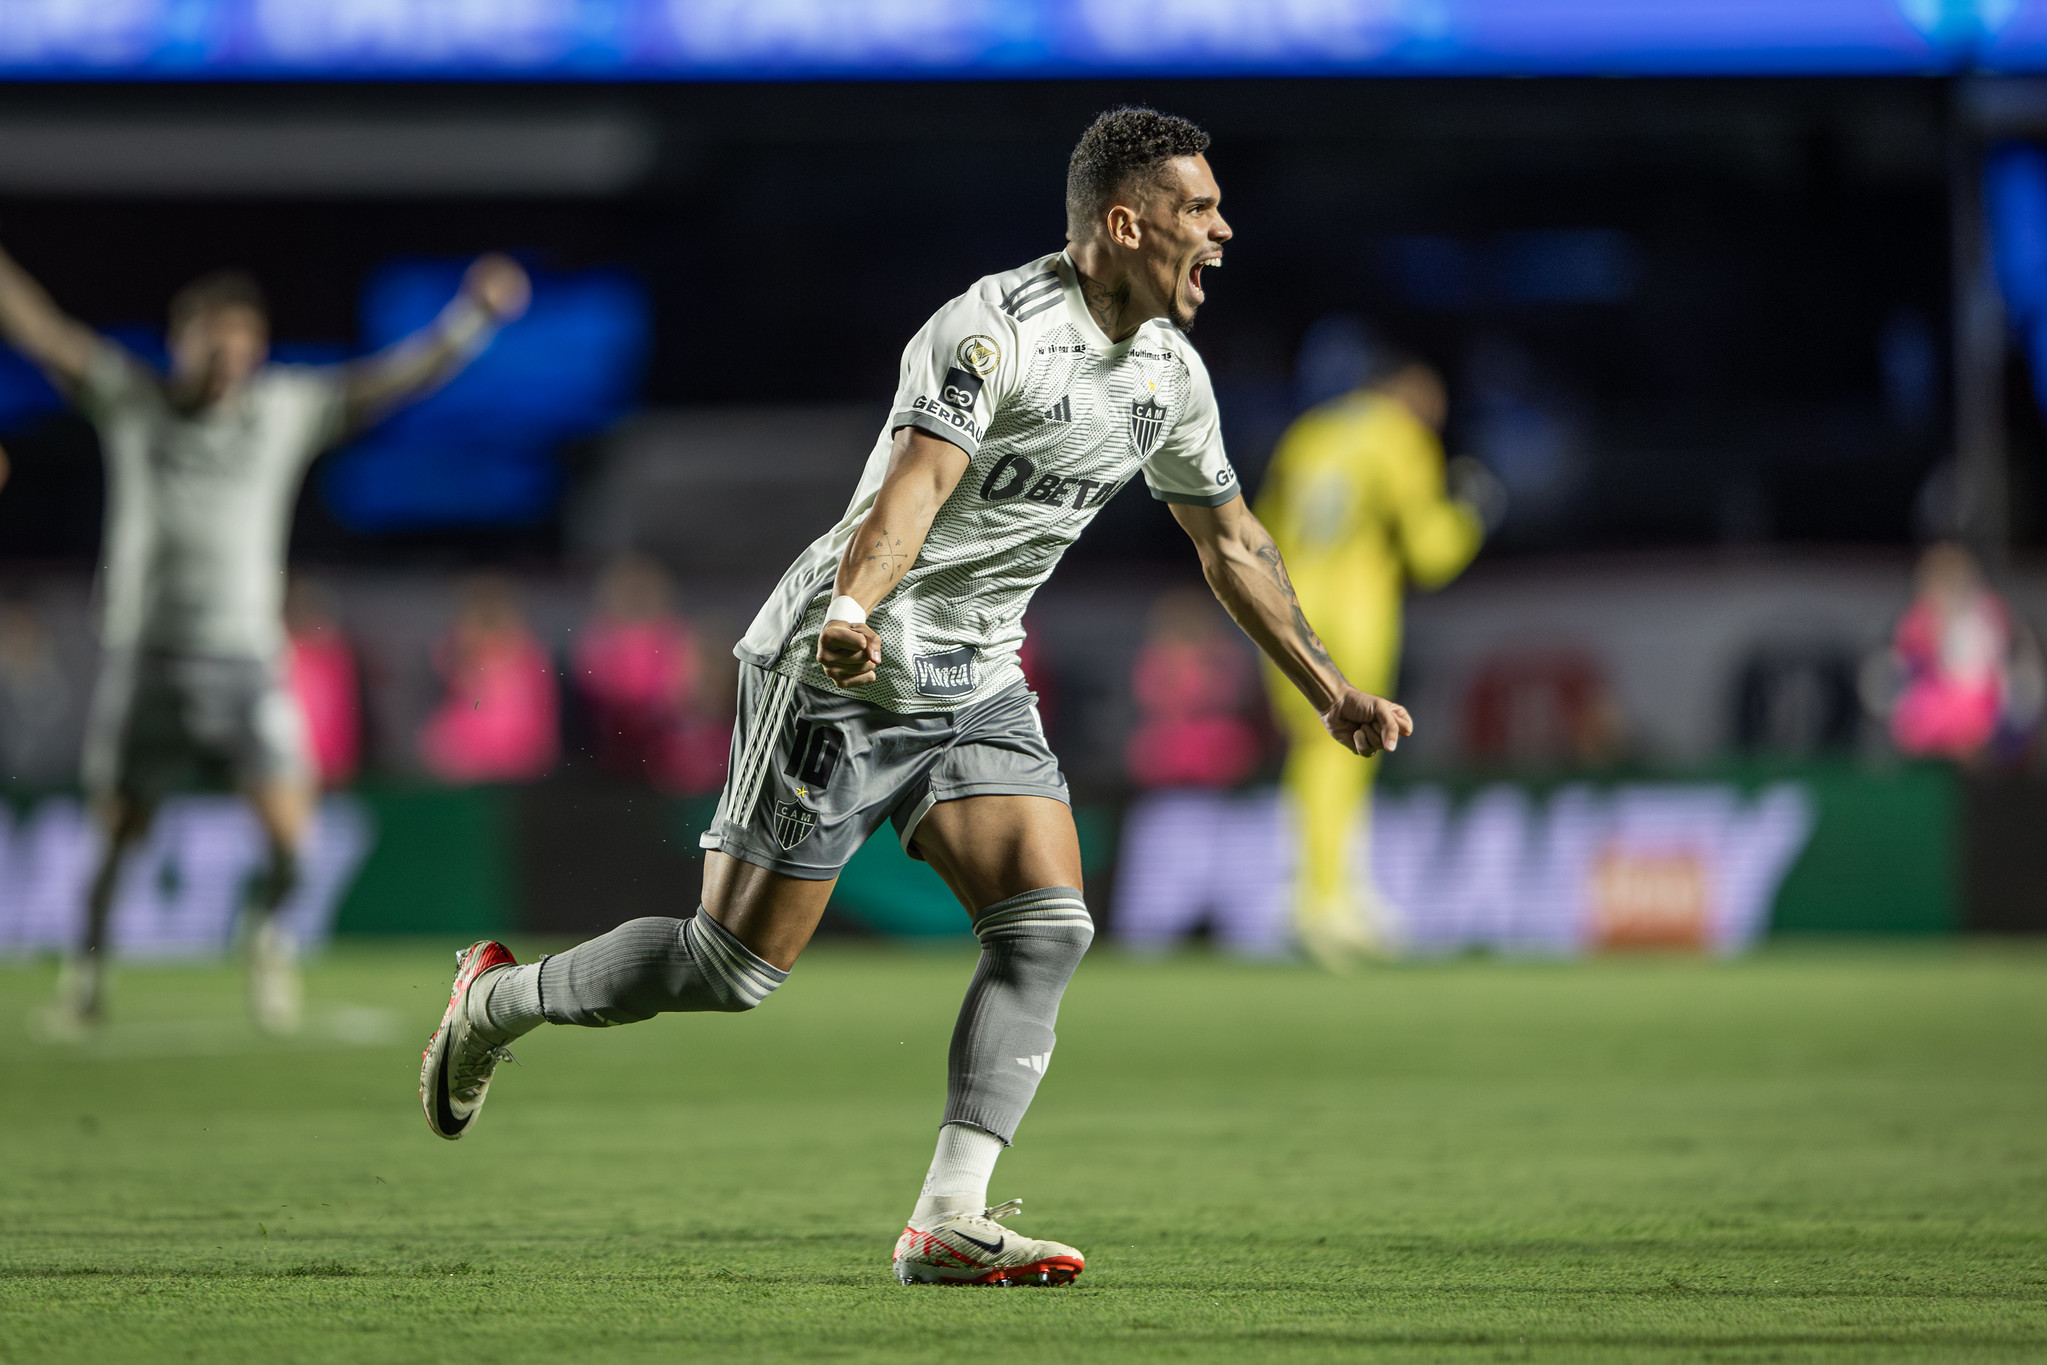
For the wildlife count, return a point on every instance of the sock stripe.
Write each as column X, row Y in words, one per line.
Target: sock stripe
column 721, row 955
column 1036, row 915
column 1051, row 905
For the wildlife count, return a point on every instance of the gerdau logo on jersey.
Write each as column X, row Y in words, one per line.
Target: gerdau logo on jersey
column 1016, row 476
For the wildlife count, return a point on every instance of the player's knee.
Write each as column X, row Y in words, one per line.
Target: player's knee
column 1050, row 926
column 1073, row 937
column 731, row 978
column 729, row 997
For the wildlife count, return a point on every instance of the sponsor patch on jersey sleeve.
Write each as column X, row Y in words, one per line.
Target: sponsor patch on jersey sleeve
column 962, row 389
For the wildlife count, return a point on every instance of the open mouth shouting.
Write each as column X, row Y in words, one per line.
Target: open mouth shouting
column 1213, row 259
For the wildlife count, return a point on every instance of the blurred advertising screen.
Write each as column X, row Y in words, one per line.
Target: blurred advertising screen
column 770, row 39
column 480, row 451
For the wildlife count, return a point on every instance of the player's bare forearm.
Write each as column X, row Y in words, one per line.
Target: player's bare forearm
column 1244, row 568
column 922, row 472
column 34, row 325
column 494, row 291
column 1248, row 575
column 412, row 368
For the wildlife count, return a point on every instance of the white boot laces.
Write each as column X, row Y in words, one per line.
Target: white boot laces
column 1003, row 1210
column 475, row 1064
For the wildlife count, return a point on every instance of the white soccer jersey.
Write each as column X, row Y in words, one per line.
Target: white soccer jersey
column 1055, row 418
column 199, row 505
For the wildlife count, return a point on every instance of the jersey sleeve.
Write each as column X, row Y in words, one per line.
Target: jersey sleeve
column 1189, row 465
column 114, row 381
column 958, row 372
column 317, row 402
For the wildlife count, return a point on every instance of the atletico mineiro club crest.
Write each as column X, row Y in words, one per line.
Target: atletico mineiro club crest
column 1147, row 420
column 793, row 823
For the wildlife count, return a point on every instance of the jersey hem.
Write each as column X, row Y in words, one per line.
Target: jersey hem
column 1197, row 499
column 896, row 703
column 746, row 851
column 935, row 796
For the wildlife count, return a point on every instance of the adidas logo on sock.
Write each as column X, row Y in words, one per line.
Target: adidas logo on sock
column 1037, row 1062
column 1061, row 411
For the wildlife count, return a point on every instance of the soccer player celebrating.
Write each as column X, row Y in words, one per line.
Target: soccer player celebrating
column 880, row 682
column 202, row 470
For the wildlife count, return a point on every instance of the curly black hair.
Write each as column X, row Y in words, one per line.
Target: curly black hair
column 1124, row 145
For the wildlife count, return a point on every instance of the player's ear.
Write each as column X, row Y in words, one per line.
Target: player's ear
column 1122, row 227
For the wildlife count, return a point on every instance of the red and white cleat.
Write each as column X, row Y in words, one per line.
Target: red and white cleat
column 973, row 1248
column 461, row 1057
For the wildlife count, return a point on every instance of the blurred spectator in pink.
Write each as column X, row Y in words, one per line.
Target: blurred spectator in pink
column 637, row 664
column 499, row 720
column 321, row 664
column 1971, row 679
column 1195, row 688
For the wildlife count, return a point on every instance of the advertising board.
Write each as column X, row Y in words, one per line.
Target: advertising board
column 1679, row 865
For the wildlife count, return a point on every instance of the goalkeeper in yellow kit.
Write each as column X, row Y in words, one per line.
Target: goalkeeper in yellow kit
column 1355, row 497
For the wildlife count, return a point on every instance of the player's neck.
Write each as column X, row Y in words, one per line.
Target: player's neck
column 192, row 397
column 1114, row 296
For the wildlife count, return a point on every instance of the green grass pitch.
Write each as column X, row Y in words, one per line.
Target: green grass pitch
column 1818, row 1154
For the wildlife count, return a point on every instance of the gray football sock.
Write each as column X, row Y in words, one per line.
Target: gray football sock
column 272, row 887
column 1030, row 945
column 511, row 1003
column 647, row 967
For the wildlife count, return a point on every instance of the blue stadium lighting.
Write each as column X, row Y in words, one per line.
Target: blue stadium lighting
column 860, row 39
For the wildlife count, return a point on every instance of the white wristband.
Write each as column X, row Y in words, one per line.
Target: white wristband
column 845, row 609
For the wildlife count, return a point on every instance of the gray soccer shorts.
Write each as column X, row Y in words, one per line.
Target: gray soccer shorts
column 162, row 723
column 814, row 773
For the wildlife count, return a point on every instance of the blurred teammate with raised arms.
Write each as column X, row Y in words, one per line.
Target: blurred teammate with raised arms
column 203, row 469
column 880, row 682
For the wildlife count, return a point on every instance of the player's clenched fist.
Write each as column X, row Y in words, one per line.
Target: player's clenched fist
column 498, row 285
column 848, row 653
column 1365, row 723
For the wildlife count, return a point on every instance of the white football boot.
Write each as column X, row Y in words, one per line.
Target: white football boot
column 277, row 995
column 77, row 1008
column 973, row 1248
column 1341, row 933
column 463, row 1054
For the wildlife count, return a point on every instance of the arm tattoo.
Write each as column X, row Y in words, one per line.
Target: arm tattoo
column 889, row 553
column 1268, row 554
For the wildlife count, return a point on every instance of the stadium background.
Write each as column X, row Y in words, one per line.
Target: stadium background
column 1739, row 332
column 1701, row 330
